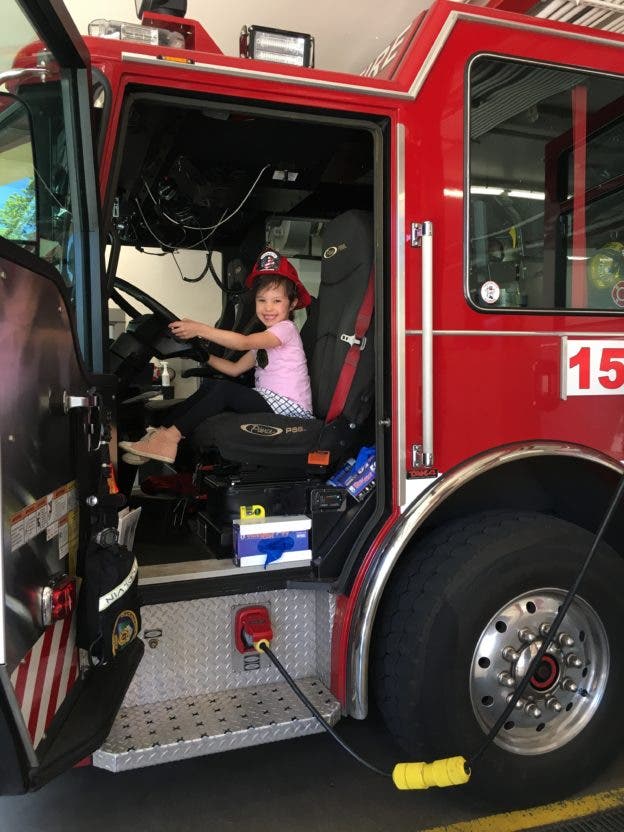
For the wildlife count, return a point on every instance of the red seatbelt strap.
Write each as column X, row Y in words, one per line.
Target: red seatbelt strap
column 352, row 358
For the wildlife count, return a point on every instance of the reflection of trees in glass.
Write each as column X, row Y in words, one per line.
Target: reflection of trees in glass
column 17, row 215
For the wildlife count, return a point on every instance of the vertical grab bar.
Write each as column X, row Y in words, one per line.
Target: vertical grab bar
column 427, row 343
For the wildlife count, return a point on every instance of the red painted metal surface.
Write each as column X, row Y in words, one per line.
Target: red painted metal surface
column 497, row 373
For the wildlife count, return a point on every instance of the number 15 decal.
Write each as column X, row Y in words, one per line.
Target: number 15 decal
column 592, row 367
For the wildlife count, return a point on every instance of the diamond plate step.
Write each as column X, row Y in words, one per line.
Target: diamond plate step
column 191, row 726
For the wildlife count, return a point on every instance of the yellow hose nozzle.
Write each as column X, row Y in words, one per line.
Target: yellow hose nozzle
column 452, row 771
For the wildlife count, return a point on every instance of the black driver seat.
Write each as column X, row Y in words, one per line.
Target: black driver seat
column 272, row 441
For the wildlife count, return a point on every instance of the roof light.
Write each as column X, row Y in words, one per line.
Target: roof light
column 150, row 35
column 265, row 44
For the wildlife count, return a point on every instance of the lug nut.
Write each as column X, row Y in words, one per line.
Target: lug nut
column 527, row 635
column 544, row 629
column 568, row 684
column 554, row 704
column 572, row 660
column 519, row 704
column 565, row 640
column 532, row 710
column 510, row 655
column 506, row 679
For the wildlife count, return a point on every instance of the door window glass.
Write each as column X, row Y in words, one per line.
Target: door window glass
column 35, row 198
column 546, row 175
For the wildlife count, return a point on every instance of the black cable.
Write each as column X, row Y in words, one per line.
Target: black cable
column 553, row 628
column 316, row 713
column 201, row 275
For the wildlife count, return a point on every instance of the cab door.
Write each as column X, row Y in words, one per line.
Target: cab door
column 55, row 417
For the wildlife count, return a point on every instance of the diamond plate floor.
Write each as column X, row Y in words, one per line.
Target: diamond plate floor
column 191, row 726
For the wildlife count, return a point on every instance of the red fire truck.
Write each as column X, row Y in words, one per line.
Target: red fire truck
column 456, row 212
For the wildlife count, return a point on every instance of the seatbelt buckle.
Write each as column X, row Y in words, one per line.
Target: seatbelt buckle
column 354, row 341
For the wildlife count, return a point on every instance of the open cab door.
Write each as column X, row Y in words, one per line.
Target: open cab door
column 57, row 491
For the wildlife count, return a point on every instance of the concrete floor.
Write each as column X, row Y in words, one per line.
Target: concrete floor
column 308, row 784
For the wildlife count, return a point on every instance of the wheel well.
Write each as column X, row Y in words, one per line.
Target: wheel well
column 572, row 488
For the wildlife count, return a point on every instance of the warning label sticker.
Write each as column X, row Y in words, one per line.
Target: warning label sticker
column 47, row 514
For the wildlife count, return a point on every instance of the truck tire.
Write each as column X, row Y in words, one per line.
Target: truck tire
column 458, row 625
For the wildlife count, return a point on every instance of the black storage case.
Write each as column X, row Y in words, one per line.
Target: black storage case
column 324, row 504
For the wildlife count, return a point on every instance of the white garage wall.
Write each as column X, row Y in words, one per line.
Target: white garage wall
column 159, row 277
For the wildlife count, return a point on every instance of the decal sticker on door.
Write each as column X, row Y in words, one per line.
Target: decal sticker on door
column 592, row 367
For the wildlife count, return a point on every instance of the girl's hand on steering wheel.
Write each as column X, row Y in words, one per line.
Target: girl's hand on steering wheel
column 186, row 329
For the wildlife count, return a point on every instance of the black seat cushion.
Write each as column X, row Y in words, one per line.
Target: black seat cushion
column 260, row 438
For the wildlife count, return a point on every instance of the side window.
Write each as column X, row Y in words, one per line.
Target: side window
column 545, row 180
column 52, row 209
column 48, row 188
column 35, row 201
column 18, row 205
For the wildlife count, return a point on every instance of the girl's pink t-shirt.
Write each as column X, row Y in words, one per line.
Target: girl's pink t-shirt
column 287, row 370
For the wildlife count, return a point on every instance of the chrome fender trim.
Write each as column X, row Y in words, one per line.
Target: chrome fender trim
column 363, row 618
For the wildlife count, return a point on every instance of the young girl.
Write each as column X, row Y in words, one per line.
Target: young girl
column 282, row 383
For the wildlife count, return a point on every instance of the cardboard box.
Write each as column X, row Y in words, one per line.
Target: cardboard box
column 257, row 536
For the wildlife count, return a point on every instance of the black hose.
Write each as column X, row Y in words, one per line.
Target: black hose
column 293, row 685
column 553, row 628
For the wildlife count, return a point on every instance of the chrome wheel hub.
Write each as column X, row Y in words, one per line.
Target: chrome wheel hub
column 568, row 685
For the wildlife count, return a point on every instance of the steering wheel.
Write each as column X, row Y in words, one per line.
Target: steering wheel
column 160, row 311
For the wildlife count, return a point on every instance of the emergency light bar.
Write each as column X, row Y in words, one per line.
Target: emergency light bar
column 265, row 44
column 151, row 35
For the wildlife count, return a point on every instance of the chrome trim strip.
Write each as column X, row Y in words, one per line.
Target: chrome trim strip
column 456, row 16
column 432, row 55
column 399, row 300
column 371, row 591
column 260, row 75
column 427, row 343
column 533, row 334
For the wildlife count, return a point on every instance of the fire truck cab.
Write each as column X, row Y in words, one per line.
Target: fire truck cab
column 456, row 213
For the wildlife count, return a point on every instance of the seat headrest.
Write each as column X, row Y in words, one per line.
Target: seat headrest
column 347, row 244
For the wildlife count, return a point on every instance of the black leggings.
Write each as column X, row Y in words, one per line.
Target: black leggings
column 215, row 396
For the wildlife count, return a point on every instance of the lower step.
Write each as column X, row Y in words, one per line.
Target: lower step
column 192, row 726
